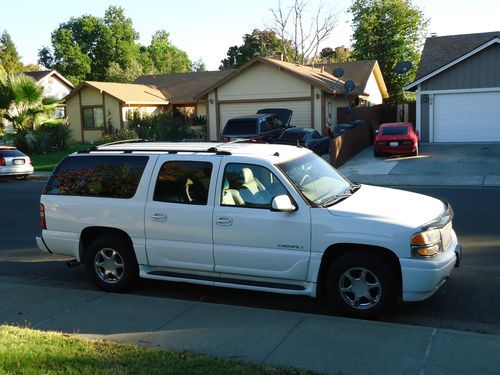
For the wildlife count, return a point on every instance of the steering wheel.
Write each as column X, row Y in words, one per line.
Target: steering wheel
column 304, row 179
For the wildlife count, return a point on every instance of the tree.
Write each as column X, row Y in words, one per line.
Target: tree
column 32, row 68
column 199, row 66
column 258, row 43
column 304, row 32
column 9, row 58
column 339, row 54
column 389, row 31
column 167, row 58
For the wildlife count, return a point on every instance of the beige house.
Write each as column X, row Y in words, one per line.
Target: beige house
column 92, row 105
column 313, row 94
column 54, row 84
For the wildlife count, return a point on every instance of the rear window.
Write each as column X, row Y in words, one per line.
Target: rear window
column 240, row 127
column 97, row 176
column 395, row 130
column 11, row 153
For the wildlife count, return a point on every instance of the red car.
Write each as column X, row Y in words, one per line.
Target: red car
column 396, row 138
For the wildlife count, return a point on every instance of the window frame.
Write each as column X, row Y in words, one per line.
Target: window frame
column 93, row 108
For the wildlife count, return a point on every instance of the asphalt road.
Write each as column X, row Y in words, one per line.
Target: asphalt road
column 470, row 300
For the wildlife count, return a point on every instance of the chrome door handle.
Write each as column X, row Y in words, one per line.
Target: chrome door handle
column 224, row 221
column 159, row 217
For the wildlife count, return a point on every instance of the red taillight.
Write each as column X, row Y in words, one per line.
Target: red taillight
column 225, row 139
column 2, row 161
column 43, row 223
column 29, row 159
column 407, row 143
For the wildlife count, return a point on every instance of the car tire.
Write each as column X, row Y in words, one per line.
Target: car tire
column 361, row 284
column 376, row 154
column 111, row 264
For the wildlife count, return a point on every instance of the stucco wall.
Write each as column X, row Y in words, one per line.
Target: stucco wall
column 54, row 88
column 73, row 114
column 201, row 109
column 112, row 111
column 374, row 97
column 263, row 82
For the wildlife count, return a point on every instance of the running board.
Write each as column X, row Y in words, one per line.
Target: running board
column 226, row 280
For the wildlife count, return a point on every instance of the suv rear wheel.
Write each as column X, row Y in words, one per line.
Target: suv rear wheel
column 361, row 284
column 111, row 264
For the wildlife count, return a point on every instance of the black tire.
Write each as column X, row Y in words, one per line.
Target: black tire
column 121, row 271
column 380, row 282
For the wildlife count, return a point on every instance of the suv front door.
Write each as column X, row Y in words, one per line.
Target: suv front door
column 249, row 238
column 178, row 219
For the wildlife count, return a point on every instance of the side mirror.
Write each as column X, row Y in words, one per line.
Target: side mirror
column 282, row 203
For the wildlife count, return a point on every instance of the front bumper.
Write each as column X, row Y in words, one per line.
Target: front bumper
column 422, row 278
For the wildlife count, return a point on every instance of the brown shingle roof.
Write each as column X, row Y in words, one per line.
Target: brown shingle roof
column 359, row 72
column 38, row 75
column 183, row 87
column 441, row 50
column 127, row 93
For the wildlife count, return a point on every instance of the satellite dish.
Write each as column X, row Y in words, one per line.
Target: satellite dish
column 338, row 72
column 403, row 67
column 349, row 85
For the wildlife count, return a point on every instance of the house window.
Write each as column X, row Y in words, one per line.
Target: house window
column 93, row 118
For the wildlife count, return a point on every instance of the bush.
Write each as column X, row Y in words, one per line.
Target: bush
column 160, row 127
column 53, row 135
column 121, row 135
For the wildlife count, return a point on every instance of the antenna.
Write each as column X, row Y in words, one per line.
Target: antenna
column 338, row 72
column 403, row 67
column 349, row 86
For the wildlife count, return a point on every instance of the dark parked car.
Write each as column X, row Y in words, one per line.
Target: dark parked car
column 305, row 137
column 261, row 127
column 396, row 138
column 342, row 128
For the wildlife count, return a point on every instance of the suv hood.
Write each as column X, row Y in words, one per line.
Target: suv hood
column 389, row 205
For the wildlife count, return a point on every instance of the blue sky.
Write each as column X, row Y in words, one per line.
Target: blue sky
column 206, row 29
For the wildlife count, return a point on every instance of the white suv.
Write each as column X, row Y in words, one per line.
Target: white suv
column 262, row 217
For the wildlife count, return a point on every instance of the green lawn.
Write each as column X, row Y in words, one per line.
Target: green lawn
column 47, row 162
column 27, row 351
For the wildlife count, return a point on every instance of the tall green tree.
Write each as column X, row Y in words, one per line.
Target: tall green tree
column 167, row 58
column 258, row 43
column 389, row 31
column 9, row 57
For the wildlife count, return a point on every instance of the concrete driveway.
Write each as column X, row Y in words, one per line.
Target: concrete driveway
column 437, row 165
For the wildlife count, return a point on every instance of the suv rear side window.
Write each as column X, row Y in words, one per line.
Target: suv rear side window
column 97, row 176
column 183, row 182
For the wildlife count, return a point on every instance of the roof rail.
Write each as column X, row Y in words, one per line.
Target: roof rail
column 135, row 140
column 211, row 150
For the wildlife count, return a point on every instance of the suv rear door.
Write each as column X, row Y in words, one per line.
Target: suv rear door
column 178, row 218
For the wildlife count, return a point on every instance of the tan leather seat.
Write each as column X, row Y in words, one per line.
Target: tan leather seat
column 252, row 190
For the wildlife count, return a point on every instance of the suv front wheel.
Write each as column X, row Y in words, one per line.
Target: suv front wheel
column 111, row 264
column 361, row 284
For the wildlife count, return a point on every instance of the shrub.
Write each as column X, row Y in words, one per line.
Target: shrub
column 121, row 135
column 159, row 127
column 54, row 134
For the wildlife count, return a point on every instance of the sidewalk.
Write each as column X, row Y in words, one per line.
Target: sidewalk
column 273, row 337
column 464, row 165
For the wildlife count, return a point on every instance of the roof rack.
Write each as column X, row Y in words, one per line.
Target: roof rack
column 211, row 150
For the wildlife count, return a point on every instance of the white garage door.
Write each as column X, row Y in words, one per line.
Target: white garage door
column 467, row 117
column 301, row 111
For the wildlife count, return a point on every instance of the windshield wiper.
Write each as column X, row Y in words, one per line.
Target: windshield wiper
column 354, row 188
column 335, row 199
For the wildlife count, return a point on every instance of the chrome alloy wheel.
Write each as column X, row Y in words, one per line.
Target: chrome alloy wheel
column 109, row 265
column 360, row 288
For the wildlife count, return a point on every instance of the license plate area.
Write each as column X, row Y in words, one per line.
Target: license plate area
column 393, row 144
column 18, row 162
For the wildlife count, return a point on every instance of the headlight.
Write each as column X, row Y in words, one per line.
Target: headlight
column 426, row 244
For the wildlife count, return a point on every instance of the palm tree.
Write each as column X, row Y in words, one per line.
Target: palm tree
column 22, row 102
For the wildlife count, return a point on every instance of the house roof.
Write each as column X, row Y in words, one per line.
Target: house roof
column 326, row 81
column 39, row 75
column 441, row 52
column 359, row 72
column 126, row 93
column 183, row 87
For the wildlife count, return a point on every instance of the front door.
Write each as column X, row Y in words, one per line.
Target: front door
column 179, row 213
column 249, row 238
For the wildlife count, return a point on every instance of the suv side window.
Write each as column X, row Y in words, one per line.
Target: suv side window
column 250, row 185
column 97, row 176
column 184, row 182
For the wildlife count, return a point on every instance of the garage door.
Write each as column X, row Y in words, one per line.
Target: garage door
column 301, row 111
column 467, row 117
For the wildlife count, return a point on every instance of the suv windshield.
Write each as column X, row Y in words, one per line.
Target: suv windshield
column 240, row 127
column 316, row 180
column 395, row 130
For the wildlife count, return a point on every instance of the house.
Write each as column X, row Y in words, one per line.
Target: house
column 313, row 94
column 458, row 88
column 54, row 84
column 93, row 105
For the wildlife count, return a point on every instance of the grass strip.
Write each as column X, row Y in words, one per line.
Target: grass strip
column 48, row 161
column 28, row 351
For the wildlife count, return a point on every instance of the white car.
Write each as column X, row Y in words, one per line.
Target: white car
column 261, row 217
column 14, row 163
